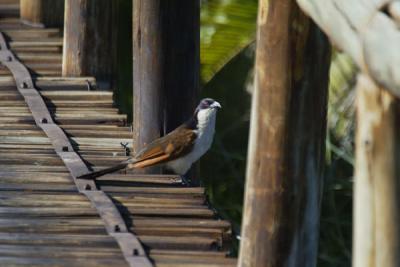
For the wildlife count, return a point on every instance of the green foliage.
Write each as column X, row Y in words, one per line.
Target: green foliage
column 226, row 162
column 341, row 106
column 337, row 203
column 227, row 26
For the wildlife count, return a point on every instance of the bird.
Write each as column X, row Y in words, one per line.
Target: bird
column 177, row 150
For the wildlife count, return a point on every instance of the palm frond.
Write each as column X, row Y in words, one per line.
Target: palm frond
column 227, row 26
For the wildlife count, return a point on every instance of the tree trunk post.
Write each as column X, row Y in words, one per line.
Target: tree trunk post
column 166, row 40
column 377, row 187
column 287, row 140
column 42, row 13
column 88, row 39
column 371, row 39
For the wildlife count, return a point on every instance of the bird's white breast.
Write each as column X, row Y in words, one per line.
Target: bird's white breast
column 205, row 134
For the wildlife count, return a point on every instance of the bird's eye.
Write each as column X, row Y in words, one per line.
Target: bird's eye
column 206, row 103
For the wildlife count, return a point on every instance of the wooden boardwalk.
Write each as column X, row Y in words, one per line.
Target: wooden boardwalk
column 44, row 220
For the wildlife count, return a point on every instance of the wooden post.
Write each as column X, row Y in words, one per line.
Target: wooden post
column 166, row 35
column 287, row 140
column 373, row 45
column 88, row 39
column 49, row 13
column 377, row 185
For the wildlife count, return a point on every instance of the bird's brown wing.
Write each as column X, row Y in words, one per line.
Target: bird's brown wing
column 175, row 144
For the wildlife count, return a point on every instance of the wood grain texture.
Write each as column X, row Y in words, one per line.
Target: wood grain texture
column 368, row 32
column 42, row 12
column 58, row 227
column 287, row 140
column 377, row 188
column 166, row 66
column 364, row 30
column 88, row 43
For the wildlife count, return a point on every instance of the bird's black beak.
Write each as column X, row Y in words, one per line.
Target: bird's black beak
column 215, row 105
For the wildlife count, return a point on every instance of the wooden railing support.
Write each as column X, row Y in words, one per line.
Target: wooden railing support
column 89, row 43
column 372, row 40
column 377, row 171
column 42, row 12
column 166, row 37
column 287, row 140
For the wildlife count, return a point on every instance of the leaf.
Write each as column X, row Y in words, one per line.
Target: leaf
column 227, row 26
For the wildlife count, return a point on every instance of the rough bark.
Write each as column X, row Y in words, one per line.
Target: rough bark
column 287, row 140
column 41, row 13
column 377, row 189
column 166, row 36
column 88, row 38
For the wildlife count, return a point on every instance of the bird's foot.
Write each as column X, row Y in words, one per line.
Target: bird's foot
column 185, row 181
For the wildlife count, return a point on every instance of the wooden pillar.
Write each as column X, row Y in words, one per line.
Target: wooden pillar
column 88, row 39
column 166, row 35
column 49, row 13
column 377, row 171
column 287, row 140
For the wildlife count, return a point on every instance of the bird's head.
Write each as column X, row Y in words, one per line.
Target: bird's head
column 207, row 109
column 208, row 104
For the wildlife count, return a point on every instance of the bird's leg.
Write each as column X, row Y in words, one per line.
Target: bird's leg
column 185, row 181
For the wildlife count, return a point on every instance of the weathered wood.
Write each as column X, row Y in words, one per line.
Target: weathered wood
column 189, row 253
column 54, row 160
column 39, row 68
column 67, row 80
column 65, row 103
column 377, row 189
column 9, row 9
column 34, row 202
column 191, row 243
column 362, row 29
column 19, row 261
column 81, row 141
column 106, row 119
column 166, row 66
column 37, row 73
column 46, row 221
column 37, row 188
column 179, row 231
column 104, row 128
column 157, row 222
column 160, row 198
column 186, row 264
column 190, row 259
column 87, row 38
column 58, row 252
column 368, row 32
column 42, row 12
column 71, row 133
column 41, row 57
column 15, row 34
column 49, row 229
column 287, row 138
column 46, row 42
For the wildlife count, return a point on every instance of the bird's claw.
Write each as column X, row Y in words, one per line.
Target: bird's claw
column 184, row 181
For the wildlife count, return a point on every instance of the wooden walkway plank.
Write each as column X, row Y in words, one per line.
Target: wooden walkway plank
column 56, row 225
column 131, row 249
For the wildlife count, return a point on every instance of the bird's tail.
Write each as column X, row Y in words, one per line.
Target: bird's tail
column 96, row 174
